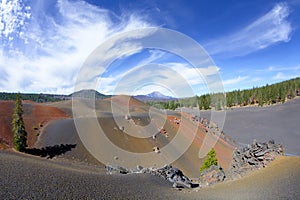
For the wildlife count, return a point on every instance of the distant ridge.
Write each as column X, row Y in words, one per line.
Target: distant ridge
column 263, row 95
column 158, row 95
column 41, row 98
column 89, row 93
column 154, row 96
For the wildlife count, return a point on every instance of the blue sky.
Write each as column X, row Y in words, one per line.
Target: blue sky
column 45, row 43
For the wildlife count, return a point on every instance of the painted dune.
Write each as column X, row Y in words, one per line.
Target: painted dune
column 77, row 172
column 36, row 116
column 64, row 132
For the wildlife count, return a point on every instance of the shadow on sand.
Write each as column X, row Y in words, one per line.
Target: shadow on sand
column 51, row 151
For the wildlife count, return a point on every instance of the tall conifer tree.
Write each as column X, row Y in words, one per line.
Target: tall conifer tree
column 20, row 135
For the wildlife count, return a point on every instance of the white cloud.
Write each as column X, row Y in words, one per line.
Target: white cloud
column 154, row 56
column 54, row 49
column 271, row 28
column 154, row 76
column 274, row 69
column 193, row 75
column 234, row 80
column 172, row 78
column 12, row 17
column 282, row 76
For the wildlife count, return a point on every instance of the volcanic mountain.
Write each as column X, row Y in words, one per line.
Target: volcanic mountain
column 127, row 122
column 51, row 127
column 154, row 96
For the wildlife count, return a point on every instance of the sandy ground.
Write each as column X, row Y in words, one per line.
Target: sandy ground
column 77, row 175
column 28, row 177
column 63, row 131
column 278, row 122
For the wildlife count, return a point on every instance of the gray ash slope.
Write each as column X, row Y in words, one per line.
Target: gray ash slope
column 277, row 122
column 28, row 177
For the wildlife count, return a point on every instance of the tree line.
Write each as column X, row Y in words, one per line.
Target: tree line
column 266, row 95
column 40, row 98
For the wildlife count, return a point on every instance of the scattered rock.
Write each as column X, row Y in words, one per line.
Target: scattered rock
column 121, row 128
column 156, row 149
column 127, row 117
column 116, row 169
column 254, row 156
column 212, row 128
column 212, row 176
column 245, row 159
column 174, row 175
column 154, row 136
column 176, row 121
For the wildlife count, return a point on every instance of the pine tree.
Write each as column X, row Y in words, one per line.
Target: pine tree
column 207, row 102
column 201, row 102
column 282, row 95
column 218, row 106
column 210, row 160
column 20, row 135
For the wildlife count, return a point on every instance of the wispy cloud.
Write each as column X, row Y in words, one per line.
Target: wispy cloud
column 154, row 76
column 53, row 47
column 173, row 78
column 275, row 69
column 234, row 80
column 284, row 76
column 193, row 75
column 279, row 73
column 269, row 29
column 13, row 16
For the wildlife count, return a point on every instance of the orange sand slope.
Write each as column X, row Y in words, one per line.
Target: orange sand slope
column 36, row 116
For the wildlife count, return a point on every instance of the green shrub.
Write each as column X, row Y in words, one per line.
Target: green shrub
column 210, row 160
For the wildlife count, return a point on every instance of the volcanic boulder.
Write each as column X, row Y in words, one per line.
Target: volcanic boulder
column 254, row 156
column 212, row 176
column 172, row 174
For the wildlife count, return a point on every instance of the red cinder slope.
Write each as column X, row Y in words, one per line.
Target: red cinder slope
column 36, row 115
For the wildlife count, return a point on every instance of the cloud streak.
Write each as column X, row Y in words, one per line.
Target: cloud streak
column 172, row 78
column 234, row 80
column 53, row 47
column 269, row 29
column 12, row 17
column 284, row 76
column 274, row 69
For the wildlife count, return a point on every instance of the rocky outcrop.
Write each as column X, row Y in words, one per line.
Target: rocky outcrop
column 212, row 176
column 245, row 159
column 254, row 156
column 212, row 128
column 116, row 170
column 175, row 176
column 172, row 174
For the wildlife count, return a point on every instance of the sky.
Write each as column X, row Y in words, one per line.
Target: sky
column 45, row 44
